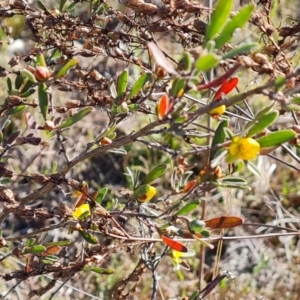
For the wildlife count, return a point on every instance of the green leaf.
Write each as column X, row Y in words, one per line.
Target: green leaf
column 26, row 74
column 219, row 137
column 35, row 249
column 142, row 190
column 15, row 110
column 185, row 63
column 18, row 81
column 177, row 86
column 218, row 18
column 30, row 242
column 62, row 4
column 122, row 82
column 139, row 84
column 195, row 295
column 263, row 122
column 276, row 138
column 27, row 93
column 207, row 62
column 279, row 83
column 58, row 243
column 75, row 118
column 101, row 195
column 237, row 21
column 296, row 100
column 71, row 6
column 9, row 85
column 155, row 173
column 43, row 99
column 65, row 69
column 188, row 208
column 240, row 50
column 40, row 57
column 89, row 237
column 99, row 270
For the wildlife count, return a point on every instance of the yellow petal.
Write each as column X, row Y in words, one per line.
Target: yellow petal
column 82, row 209
column 148, row 195
column 244, row 148
column 217, row 111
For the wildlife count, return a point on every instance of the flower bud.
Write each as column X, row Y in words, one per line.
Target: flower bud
column 42, row 73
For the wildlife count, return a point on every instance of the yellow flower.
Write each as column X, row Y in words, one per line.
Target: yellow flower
column 243, row 148
column 82, row 210
column 217, row 111
column 145, row 193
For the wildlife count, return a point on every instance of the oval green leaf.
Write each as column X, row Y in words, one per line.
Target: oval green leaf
column 155, row 173
column 240, row 50
column 139, row 84
column 15, row 110
column 187, row 208
column 102, row 271
column 276, row 138
column 35, row 249
column 238, row 21
column 219, row 137
column 58, row 243
column 65, row 69
column 177, row 86
column 207, row 62
column 89, row 237
column 218, row 18
column 75, row 118
column 101, row 195
column 122, row 82
column 263, row 122
column 43, row 99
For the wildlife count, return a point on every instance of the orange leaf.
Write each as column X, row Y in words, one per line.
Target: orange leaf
column 189, row 186
column 51, row 250
column 163, row 107
column 226, row 88
column 173, row 244
column 224, row 222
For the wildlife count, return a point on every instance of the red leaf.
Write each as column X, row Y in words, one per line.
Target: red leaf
column 226, row 88
column 189, row 186
column 219, row 80
column 163, row 107
column 224, row 222
column 174, row 245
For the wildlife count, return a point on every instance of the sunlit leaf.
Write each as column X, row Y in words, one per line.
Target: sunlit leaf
column 30, row 242
column 207, row 62
column 35, row 249
column 263, row 122
column 237, row 21
column 58, row 243
column 65, row 69
column 188, row 208
column 122, row 82
column 224, row 222
column 75, row 118
column 218, row 18
column 14, row 110
column 276, row 138
column 178, row 87
column 101, row 195
column 174, row 244
column 240, row 50
column 139, row 84
column 28, row 75
column 155, row 173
